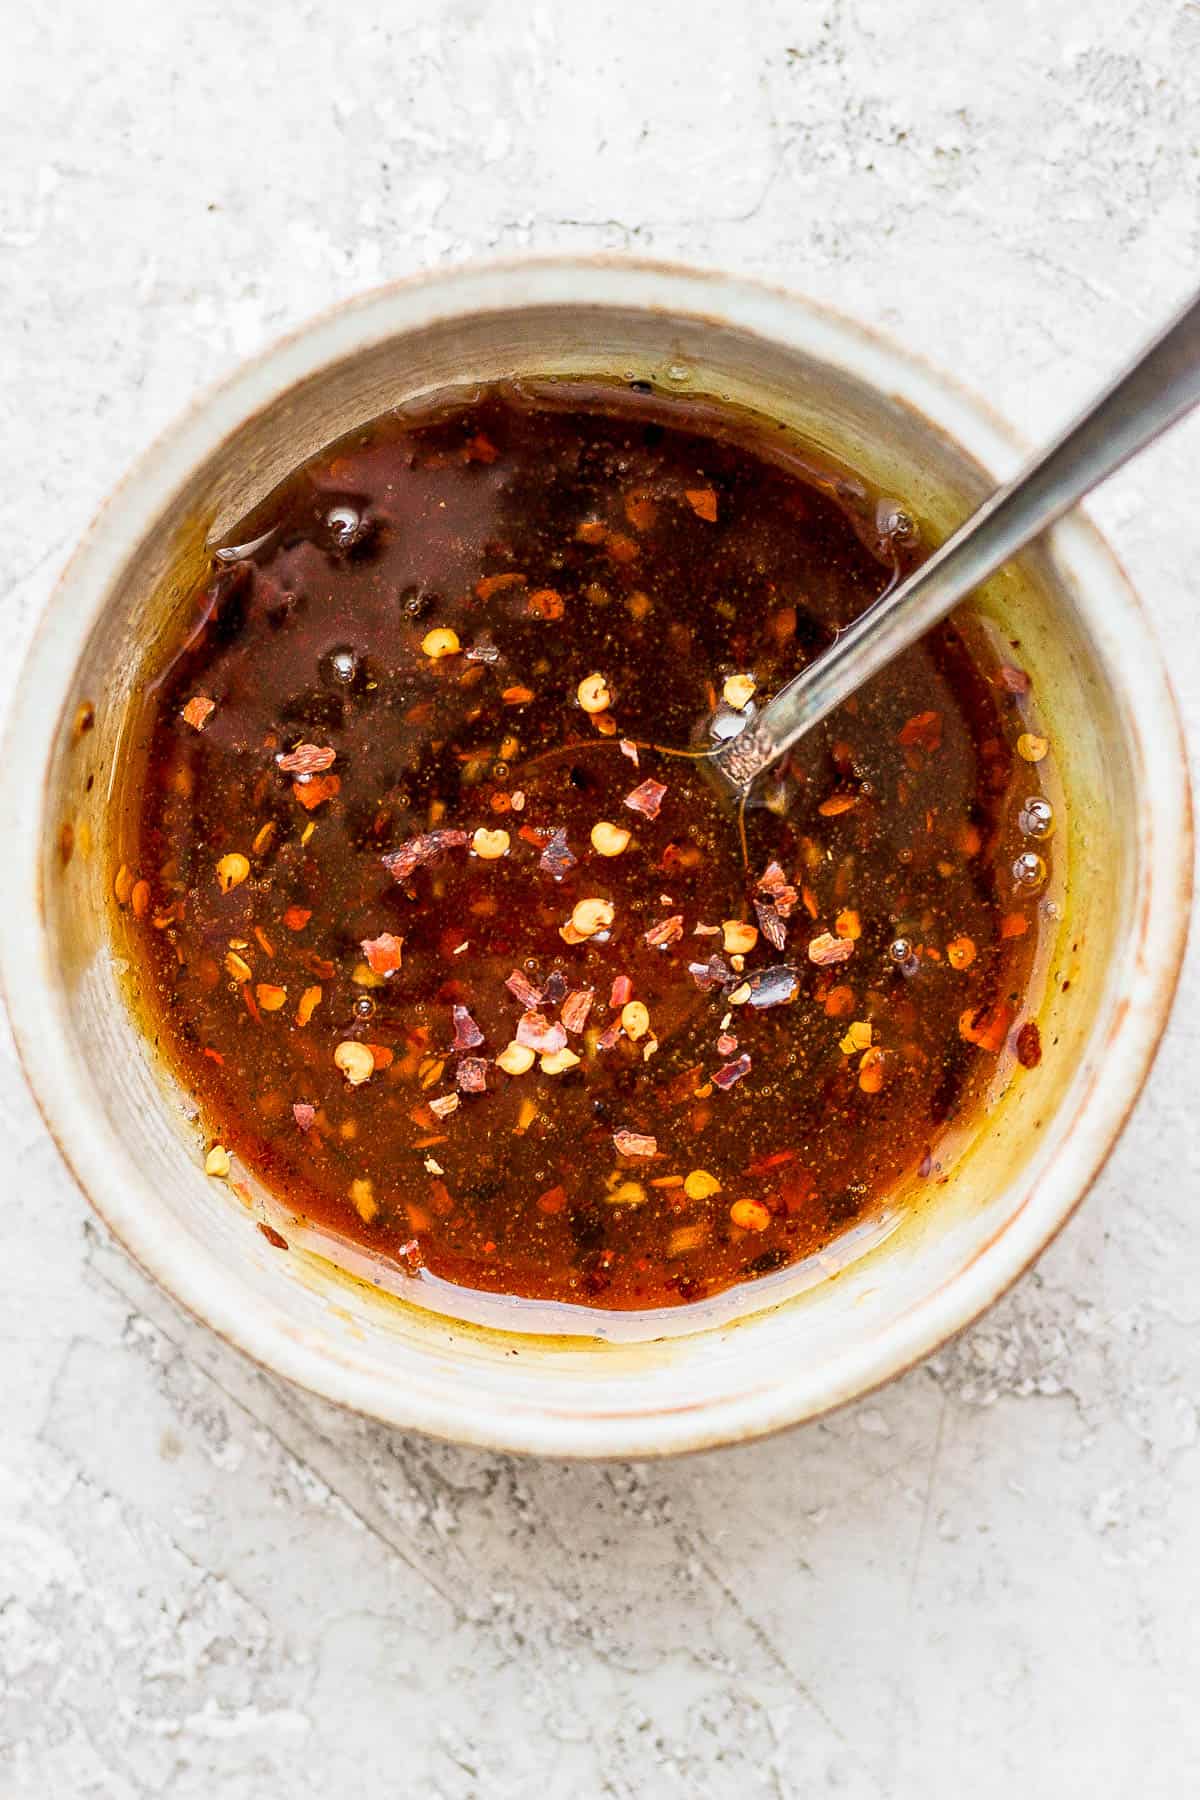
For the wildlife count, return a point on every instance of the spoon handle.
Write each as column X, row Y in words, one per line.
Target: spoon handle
column 1153, row 393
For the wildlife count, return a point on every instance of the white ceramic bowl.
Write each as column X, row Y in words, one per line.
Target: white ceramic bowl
column 1105, row 987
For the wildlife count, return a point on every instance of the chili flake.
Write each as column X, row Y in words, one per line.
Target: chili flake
column 647, row 798
column 471, row 1074
column 198, row 711
column 306, row 759
column 383, row 953
column 635, row 1143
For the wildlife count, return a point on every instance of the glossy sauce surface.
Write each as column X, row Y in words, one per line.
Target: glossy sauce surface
column 406, row 742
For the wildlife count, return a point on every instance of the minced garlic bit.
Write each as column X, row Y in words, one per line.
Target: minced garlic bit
column 858, row 1037
column 557, row 1062
column 490, row 844
column 232, row 870
column 237, row 966
column 516, row 1059
column 738, row 937
column 741, row 994
column 270, row 998
column 626, row 1193
column 594, row 694
column 608, row 839
column 217, row 1162
column 750, row 1215
column 355, row 1061
column 738, row 691
column 591, row 916
column 439, row 643
column 699, row 1185
column 635, row 1019
column 1031, row 748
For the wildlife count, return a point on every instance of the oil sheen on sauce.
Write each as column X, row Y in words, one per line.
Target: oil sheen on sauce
column 451, row 940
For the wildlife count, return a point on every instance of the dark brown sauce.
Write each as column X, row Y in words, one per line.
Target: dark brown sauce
column 764, row 1104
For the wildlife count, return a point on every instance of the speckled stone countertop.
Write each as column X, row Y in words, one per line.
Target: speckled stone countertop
column 982, row 1579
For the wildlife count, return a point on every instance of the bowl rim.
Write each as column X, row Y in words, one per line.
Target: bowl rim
column 107, row 1171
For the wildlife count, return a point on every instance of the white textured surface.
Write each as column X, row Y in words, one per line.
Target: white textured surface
column 983, row 1578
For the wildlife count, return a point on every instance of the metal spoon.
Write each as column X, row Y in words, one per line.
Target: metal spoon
column 1156, row 391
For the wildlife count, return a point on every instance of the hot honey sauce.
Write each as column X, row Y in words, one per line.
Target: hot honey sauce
column 448, row 931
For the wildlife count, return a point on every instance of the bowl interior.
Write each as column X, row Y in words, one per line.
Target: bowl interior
column 130, row 1135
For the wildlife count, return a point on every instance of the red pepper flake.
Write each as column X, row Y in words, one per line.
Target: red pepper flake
column 726, row 1045
column 647, row 798
column 471, row 1075
column 775, row 1159
column 517, row 696
column 1015, row 680
column 576, row 1007
column 635, row 1143
column 825, row 949
column 770, row 923
column 667, row 931
column 557, row 858
column 725, row 1078
column 839, row 1002
column 778, row 889
column 1029, row 1045
column 537, row 1032
column 303, row 1113
column 640, row 510
column 797, row 1190
column 1013, row 925
column 273, row 1237
column 419, row 851
column 553, row 1200
column 381, row 1055
column 480, row 449
column 382, row 953
column 923, row 731
column 545, row 603
column 320, row 966
column 628, row 748
column 622, row 990
column 703, row 502
column 313, row 790
column 198, row 711
column 711, row 974
column 467, row 1035
column 986, row 1026
column 522, row 989
column 306, row 759
column 837, row 804
column 297, row 917
column 609, row 1035
column 496, row 584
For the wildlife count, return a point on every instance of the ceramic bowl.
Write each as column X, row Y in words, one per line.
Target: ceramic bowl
column 874, row 1304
